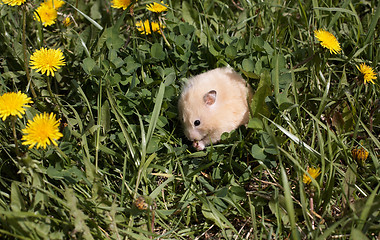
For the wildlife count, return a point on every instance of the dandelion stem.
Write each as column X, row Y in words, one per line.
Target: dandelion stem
column 304, row 61
column 24, row 51
column 162, row 33
column 153, row 219
column 62, row 154
column 13, row 120
column 312, row 212
column 52, row 95
column 76, row 6
column 97, row 139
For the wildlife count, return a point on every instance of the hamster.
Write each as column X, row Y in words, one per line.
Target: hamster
column 212, row 103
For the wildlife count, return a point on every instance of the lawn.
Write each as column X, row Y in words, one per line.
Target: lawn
column 92, row 146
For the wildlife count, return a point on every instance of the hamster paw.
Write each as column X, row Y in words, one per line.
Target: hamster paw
column 199, row 145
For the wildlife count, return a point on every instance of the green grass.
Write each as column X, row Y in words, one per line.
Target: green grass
column 123, row 145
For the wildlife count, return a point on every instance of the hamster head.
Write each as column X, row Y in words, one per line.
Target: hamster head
column 196, row 111
column 212, row 103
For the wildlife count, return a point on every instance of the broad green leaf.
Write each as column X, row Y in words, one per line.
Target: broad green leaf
column 17, row 202
column 248, row 65
column 258, row 105
column 156, row 51
column 88, row 65
column 258, row 152
column 190, row 15
column 258, row 44
column 231, row 51
column 106, row 117
column 113, row 38
column 186, row 29
column 348, row 184
column 255, row 123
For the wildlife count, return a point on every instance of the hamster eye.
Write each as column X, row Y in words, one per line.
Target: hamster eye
column 197, row 123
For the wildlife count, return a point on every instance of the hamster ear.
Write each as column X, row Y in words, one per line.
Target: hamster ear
column 210, row 97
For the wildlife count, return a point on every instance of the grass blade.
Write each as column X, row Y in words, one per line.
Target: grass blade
column 124, row 130
column 155, row 113
column 373, row 25
column 97, row 25
column 294, row 138
column 289, row 204
column 366, row 210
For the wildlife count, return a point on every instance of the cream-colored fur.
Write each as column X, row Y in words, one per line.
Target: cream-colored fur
column 229, row 111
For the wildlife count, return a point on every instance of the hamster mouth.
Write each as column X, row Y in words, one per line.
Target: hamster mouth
column 199, row 145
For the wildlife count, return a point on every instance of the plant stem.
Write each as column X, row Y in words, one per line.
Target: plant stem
column 312, row 212
column 304, row 61
column 162, row 33
column 14, row 118
column 51, row 93
column 153, row 219
column 62, row 154
column 97, row 139
column 24, row 51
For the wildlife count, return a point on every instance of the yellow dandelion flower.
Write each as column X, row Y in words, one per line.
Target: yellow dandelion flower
column 13, row 2
column 368, row 73
column 13, row 104
column 46, row 14
column 47, row 60
column 144, row 27
column 360, row 155
column 67, row 21
column 314, row 173
column 157, row 7
column 121, row 4
column 141, row 203
column 327, row 40
column 42, row 131
column 53, row 3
